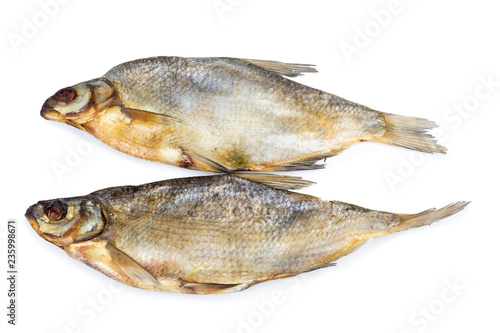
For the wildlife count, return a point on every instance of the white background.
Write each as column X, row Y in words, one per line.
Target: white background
column 425, row 59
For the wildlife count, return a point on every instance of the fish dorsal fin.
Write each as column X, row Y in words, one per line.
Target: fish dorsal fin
column 281, row 68
column 148, row 116
column 276, row 181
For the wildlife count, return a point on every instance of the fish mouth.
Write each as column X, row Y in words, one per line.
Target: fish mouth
column 32, row 219
column 50, row 114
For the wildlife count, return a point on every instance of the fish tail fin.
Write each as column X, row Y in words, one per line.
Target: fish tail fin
column 409, row 221
column 410, row 132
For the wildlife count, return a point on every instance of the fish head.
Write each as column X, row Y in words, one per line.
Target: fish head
column 67, row 221
column 78, row 104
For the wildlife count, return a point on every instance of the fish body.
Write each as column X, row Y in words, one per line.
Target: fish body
column 226, row 114
column 212, row 234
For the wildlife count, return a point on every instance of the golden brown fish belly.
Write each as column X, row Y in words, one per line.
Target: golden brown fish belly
column 140, row 138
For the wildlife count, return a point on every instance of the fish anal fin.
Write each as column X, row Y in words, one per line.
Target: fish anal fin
column 306, row 270
column 308, row 163
column 210, row 288
column 198, row 162
column 276, row 181
column 109, row 260
column 281, row 68
column 354, row 245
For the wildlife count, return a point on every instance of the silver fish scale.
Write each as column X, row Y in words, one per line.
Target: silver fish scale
column 230, row 229
column 228, row 105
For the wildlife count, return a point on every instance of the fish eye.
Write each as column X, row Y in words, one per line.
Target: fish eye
column 56, row 211
column 66, row 95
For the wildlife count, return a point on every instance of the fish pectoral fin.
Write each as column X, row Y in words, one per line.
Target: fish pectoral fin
column 148, row 116
column 211, row 288
column 276, row 181
column 282, row 68
column 109, row 260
